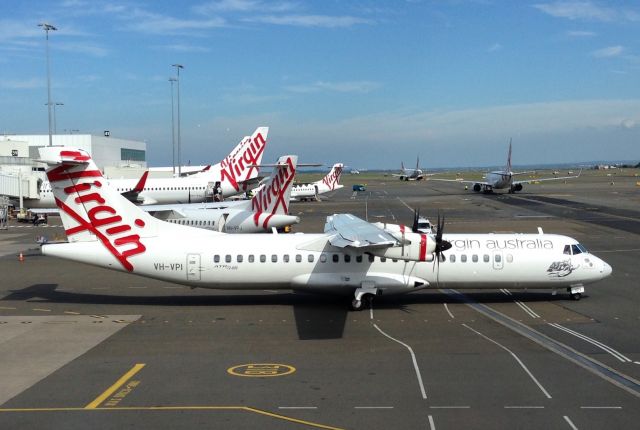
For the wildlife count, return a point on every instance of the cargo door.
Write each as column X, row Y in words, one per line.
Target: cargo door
column 193, row 267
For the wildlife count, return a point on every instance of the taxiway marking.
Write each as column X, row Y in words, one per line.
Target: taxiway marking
column 413, row 358
column 109, row 391
column 544, row 391
column 178, row 408
column 600, row 345
column 571, row 424
column 432, row 425
column 448, row 311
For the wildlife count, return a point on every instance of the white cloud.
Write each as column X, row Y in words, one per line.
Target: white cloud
column 608, row 52
column 82, row 48
column 587, row 11
column 153, row 23
column 24, row 84
column 243, row 6
column 577, row 10
column 577, row 33
column 184, row 48
column 321, row 21
column 495, row 47
column 340, row 87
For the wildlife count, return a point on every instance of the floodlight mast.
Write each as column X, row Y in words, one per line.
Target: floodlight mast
column 178, row 67
column 47, row 28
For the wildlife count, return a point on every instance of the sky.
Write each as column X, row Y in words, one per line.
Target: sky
column 366, row 83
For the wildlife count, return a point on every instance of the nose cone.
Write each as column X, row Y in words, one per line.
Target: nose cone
column 606, row 270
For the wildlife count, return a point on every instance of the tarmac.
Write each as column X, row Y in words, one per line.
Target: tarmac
column 83, row 347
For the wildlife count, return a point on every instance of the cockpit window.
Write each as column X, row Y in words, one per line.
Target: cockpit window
column 567, row 250
column 581, row 248
column 576, row 249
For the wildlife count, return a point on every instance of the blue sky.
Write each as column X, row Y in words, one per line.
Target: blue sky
column 367, row 83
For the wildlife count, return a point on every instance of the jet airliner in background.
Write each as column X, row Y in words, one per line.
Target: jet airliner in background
column 235, row 174
column 504, row 179
column 353, row 256
column 412, row 174
column 267, row 209
column 311, row 191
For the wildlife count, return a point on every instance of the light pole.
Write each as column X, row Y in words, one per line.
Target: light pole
column 178, row 67
column 173, row 130
column 48, row 27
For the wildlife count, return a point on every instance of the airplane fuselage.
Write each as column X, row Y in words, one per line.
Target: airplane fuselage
column 308, row 261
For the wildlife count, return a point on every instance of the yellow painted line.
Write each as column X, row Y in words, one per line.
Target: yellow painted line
column 72, row 313
column 41, row 310
column 5, row 307
column 180, row 408
column 109, row 391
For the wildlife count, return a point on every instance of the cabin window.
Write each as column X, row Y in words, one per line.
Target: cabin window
column 474, row 258
column 227, row 258
column 323, row 258
column 251, row 258
column 298, row 258
column 371, row 258
column 263, row 258
column 310, row 258
column 497, row 258
column 347, row 258
column 359, row 258
column 274, row 258
column 509, row 258
column 216, row 258
column 239, row 258
column 452, row 258
column 285, row 258
column 486, row 258
column 335, row 258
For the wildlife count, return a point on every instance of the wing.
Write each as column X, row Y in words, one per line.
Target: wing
column 461, row 181
column 530, row 181
column 346, row 230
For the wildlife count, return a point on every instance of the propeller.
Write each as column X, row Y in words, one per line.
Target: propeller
column 441, row 245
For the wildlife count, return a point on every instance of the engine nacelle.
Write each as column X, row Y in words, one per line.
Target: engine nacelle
column 517, row 187
column 412, row 246
column 477, row 187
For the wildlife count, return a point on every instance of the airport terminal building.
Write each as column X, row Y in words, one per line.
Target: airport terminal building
column 21, row 174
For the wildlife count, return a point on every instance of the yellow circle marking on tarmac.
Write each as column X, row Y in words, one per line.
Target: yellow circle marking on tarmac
column 261, row 370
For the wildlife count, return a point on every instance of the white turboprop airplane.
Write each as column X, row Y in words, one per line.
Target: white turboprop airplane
column 234, row 175
column 106, row 230
column 267, row 209
column 331, row 182
column 501, row 179
column 412, row 174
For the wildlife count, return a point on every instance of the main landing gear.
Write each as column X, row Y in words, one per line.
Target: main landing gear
column 363, row 297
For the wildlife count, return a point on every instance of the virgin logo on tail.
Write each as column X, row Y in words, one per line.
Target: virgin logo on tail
column 273, row 194
column 235, row 165
column 103, row 220
column 332, row 179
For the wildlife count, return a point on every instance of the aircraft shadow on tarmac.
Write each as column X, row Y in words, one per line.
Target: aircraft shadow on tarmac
column 317, row 317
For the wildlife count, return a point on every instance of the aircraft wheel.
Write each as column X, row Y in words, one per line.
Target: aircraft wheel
column 357, row 305
column 576, row 296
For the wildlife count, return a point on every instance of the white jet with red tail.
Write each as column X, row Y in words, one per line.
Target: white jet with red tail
column 267, row 209
column 311, row 191
column 237, row 173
